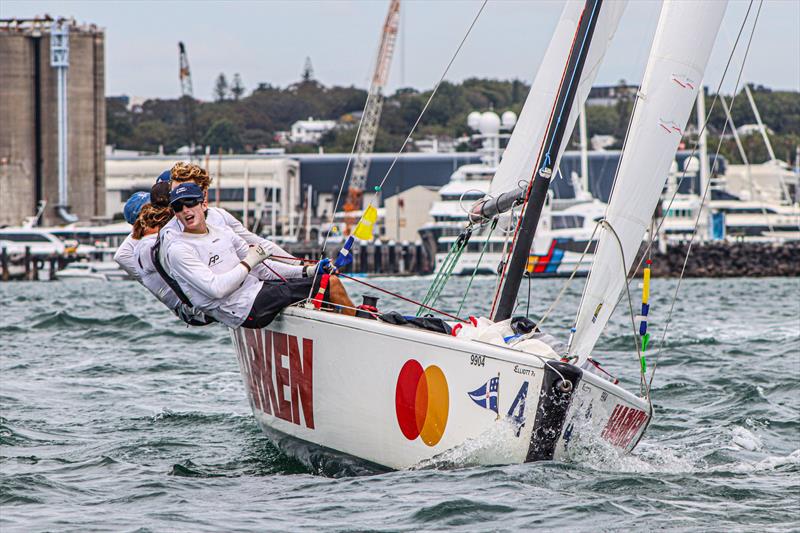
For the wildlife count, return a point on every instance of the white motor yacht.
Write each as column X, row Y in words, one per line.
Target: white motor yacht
column 99, row 270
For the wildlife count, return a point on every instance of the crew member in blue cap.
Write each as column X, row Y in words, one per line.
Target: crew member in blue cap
column 125, row 253
column 152, row 218
column 223, row 277
column 183, row 172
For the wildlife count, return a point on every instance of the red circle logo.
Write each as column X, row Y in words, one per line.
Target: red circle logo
column 422, row 402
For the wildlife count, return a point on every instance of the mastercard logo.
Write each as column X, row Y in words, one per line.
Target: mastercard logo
column 422, row 402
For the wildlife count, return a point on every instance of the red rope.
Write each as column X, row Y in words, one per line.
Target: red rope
column 274, row 272
column 371, row 286
column 533, row 177
column 409, row 300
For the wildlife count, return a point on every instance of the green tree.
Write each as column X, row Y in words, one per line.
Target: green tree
column 221, row 88
column 223, row 134
column 237, row 89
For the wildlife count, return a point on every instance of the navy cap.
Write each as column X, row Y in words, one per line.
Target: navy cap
column 164, row 176
column 186, row 190
column 134, row 206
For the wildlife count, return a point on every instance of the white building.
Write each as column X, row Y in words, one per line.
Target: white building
column 272, row 183
column 406, row 212
column 310, row 131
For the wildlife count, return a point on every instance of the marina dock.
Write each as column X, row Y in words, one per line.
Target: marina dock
column 708, row 259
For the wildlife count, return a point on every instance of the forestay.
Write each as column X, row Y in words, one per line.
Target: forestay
column 523, row 148
column 682, row 45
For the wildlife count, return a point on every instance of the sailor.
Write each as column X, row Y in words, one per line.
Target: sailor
column 151, row 219
column 182, row 172
column 224, row 278
column 124, row 255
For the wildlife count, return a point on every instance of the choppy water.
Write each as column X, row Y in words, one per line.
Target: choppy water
column 116, row 417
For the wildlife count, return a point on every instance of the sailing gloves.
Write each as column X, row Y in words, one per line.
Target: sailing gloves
column 255, row 255
column 323, row 267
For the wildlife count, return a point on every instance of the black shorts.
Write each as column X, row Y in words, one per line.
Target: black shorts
column 275, row 296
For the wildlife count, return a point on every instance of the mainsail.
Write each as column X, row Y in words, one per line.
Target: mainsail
column 682, row 45
column 523, row 149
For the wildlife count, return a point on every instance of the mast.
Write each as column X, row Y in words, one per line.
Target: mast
column 547, row 160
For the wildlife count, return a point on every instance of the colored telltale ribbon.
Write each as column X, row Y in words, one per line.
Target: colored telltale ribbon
column 642, row 319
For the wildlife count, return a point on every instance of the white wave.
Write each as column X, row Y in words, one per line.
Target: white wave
column 768, row 463
column 588, row 448
column 498, row 445
column 744, row 438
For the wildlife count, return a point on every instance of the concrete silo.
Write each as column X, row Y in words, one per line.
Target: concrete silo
column 31, row 154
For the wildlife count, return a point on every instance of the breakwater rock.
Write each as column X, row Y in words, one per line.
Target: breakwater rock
column 729, row 259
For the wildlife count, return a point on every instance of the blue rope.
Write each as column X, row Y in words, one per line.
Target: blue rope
column 547, row 159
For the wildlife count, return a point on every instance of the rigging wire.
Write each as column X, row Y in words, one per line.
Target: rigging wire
column 401, row 297
column 397, row 155
column 433, row 93
column 572, row 275
column 564, row 73
column 707, row 187
column 446, row 269
column 684, row 174
column 477, row 265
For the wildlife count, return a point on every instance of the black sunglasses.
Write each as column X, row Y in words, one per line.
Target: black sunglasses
column 178, row 205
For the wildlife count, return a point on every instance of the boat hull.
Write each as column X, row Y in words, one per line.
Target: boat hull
column 396, row 397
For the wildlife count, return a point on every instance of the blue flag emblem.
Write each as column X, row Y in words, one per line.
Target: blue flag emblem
column 345, row 257
column 486, row 395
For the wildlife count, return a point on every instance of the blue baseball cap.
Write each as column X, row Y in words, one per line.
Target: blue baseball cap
column 164, row 176
column 134, row 206
column 185, row 191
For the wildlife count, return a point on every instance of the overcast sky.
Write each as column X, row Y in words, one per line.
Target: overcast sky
column 269, row 41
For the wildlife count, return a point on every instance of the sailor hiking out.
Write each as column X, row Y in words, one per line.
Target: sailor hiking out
column 225, row 278
column 145, row 255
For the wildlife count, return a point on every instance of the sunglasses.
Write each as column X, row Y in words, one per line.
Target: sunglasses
column 178, row 205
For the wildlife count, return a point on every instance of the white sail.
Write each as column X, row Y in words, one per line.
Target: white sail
column 523, row 148
column 682, row 45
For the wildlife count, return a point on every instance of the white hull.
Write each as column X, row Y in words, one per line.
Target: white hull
column 397, row 397
column 99, row 270
column 64, row 275
column 552, row 265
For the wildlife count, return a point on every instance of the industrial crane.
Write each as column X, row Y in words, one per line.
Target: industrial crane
column 372, row 111
column 187, row 96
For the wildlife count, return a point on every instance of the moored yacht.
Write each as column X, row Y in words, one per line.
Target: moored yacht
column 562, row 241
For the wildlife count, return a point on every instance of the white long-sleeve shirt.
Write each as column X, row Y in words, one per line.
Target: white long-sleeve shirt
column 219, row 217
column 125, row 257
column 207, row 267
column 139, row 255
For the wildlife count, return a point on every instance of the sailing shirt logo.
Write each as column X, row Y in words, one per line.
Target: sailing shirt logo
column 274, row 388
column 422, row 402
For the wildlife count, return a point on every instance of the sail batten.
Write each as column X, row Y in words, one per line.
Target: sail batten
column 681, row 48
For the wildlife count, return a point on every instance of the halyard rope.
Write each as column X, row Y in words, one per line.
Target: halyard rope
column 397, row 155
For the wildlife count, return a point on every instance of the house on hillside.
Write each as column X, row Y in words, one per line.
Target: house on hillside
column 310, row 131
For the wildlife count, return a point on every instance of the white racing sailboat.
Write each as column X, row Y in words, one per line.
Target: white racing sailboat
column 395, row 397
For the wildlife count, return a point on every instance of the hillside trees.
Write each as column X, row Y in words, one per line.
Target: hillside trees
column 252, row 120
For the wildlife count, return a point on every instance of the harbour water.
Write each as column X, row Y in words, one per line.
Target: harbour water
column 114, row 416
